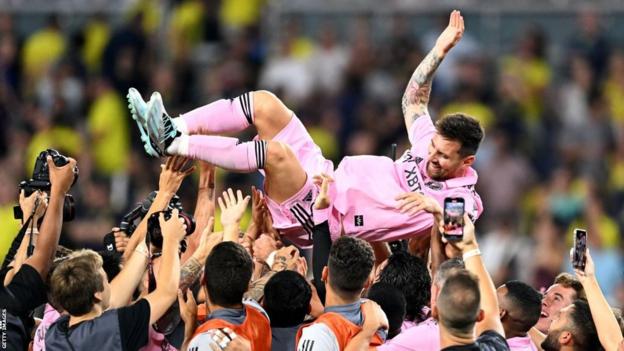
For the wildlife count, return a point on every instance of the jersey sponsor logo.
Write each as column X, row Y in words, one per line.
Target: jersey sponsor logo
column 411, row 176
column 359, row 220
column 434, row 185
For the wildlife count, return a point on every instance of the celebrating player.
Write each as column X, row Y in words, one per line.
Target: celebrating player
column 372, row 198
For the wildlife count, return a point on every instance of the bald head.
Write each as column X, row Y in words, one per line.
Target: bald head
column 458, row 303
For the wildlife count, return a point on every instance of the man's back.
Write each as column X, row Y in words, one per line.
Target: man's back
column 487, row 341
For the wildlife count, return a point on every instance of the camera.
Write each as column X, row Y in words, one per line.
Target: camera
column 41, row 181
column 154, row 231
column 131, row 220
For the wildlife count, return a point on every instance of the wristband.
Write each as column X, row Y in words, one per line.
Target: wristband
column 471, row 253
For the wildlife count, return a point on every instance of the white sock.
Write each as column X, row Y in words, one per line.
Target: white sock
column 180, row 124
column 179, row 145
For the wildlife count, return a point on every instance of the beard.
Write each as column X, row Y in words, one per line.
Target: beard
column 551, row 343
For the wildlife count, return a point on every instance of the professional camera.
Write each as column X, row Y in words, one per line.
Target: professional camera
column 131, row 220
column 154, row 231
column 41, row 181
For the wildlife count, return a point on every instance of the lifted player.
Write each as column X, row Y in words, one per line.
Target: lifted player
column 372, row 198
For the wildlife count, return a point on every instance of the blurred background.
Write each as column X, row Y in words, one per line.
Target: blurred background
column 545, row 78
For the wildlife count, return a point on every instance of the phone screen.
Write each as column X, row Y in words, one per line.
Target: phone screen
column 580, row 246
column 454, row 218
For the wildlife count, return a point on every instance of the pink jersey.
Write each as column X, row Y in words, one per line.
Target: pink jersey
column 365, row 188
column 50, row 315
column 521, row 344
column 425, row 336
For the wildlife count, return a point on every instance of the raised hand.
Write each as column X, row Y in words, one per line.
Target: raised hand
column 27, row 204
column 413, row 202
column 469, row 241
column 322, row 199
column 173, row 172
column 232, row 207
column 451, row 34
column 61, row 178
column 188, row 308
column 258, row 206
column 209, row 239
column 590, row 270
column 174, row 227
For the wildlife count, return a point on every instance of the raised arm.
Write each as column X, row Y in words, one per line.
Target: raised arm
column 61, row 179
column 168, row 277
column 232, row 210
column 204, row 208
column 474, row 264
column 607, row 326
column 416, row 96
column 172, row 174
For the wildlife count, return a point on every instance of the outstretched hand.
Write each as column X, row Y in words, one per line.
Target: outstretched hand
column 590, row 270
column 173, row 172
column 451, row 34
column 232, row 207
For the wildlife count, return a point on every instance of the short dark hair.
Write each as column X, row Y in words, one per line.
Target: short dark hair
column 287, row 298
column 410, row 275
column 585, row 334
column 569, row 281
column 350, row 263
column 446, row 269
column 462, row 128
column 392, row 302
column 75, row 281
column 458, row 303
column 228, row 272
column 525, row 304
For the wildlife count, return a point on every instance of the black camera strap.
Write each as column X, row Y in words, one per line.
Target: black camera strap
column 31, row 246
column 16, row 243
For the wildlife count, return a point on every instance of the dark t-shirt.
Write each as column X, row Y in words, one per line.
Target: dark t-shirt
column 131, row 332
column 26, row 292
column 487, row 341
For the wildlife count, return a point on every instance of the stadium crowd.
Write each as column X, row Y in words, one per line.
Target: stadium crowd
column 553, row 160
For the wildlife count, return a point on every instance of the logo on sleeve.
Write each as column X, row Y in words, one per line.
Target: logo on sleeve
column 359, row 220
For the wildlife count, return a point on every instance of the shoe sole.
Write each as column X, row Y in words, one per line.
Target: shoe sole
column 134, row 98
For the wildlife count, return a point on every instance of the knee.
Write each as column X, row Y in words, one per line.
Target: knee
column 266, row 105
column 278, row 153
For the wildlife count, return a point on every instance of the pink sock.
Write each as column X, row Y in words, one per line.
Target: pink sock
column 224, row 152
column 222, row 116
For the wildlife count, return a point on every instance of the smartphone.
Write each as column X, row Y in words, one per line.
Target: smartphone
column 453, row 218
column 580, row 247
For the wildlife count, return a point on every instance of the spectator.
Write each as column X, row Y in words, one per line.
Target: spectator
column 287, row 302
column 564, row 291
column 346, row 275
column 520, row 307
column 392, row 302
column 573, row 329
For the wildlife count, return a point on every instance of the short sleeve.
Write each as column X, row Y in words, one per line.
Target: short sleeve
column 26, row 292
column 317, row 337
column 134, row 325
column 420, row 134
column 492, row 341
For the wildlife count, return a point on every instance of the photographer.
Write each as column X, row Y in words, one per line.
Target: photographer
column 79, row 285
column 27, row 289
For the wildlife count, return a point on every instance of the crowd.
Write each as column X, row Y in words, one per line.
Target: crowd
column 552, row 161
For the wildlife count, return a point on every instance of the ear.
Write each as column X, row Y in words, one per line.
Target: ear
column 468, row 160
column 325, row 274
column 502, row 313
column 434, row 312
column 480, row 315
column 565, row 338
column 97, row 297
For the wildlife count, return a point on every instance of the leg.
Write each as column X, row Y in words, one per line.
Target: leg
column 260, row 108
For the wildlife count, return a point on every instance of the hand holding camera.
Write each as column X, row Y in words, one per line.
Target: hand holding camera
column 35, row 204
column 173, row 227
column 63, row 173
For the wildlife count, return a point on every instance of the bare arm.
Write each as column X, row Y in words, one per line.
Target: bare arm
column 204, row 208
column 607, row 326
column 168, row 277
column 61, row 179
column 416, row 96
column 171, row 176
column 474, row 264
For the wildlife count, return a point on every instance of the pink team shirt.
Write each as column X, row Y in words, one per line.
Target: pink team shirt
column 521, row 344
column 365, row 188
column 425, row 336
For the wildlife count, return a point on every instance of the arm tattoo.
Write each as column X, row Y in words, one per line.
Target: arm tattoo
column 417, row 92
column 190, row 272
